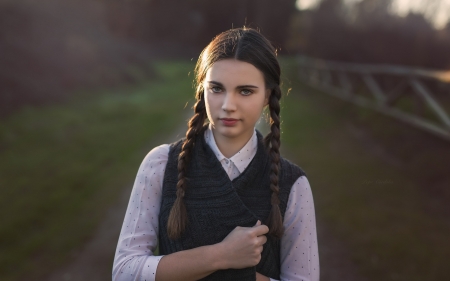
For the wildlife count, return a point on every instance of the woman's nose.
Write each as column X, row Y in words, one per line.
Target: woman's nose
column 229, row 103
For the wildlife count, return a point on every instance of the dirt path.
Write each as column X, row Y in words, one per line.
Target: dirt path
column 335, row 264
column 94, row 261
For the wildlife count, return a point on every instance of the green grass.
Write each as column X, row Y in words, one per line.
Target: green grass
column 63, row 165
column 377, row 211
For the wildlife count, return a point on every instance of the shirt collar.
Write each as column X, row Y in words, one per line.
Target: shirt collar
column 242, row 158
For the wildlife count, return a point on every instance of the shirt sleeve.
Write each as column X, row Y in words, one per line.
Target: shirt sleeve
column 138, row 239
column 299, row 249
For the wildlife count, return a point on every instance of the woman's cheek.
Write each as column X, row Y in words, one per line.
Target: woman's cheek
column 209, row 110
column 214, row 103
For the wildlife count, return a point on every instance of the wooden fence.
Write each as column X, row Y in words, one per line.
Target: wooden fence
column 416, row 96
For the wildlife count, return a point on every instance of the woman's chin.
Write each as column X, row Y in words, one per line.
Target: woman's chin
column 232, row 132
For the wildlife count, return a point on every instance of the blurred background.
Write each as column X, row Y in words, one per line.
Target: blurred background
column 87, row 88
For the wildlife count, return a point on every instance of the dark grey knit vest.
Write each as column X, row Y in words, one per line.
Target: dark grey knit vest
column 216, row 205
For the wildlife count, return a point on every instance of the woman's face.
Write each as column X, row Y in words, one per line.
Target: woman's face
column 235, row 95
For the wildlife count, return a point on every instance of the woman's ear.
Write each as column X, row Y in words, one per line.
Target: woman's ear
column 266, row 100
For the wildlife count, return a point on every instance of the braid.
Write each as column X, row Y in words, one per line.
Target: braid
column 272, row 142
column 177, row 221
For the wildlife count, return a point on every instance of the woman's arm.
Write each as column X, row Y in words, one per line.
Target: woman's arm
column 260, row 277
column 299, row 249
column 240, row 249
column 134, row 258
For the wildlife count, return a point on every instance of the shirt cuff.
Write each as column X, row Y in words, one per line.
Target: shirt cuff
column 149, row 269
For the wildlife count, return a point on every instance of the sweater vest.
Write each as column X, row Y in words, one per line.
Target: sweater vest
column 216, row 205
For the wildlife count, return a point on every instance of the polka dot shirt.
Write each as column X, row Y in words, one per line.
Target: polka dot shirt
column 134, row 259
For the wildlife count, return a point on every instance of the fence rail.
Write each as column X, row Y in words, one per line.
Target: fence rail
column 419, row 97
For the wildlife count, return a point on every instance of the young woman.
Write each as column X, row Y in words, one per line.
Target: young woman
column 222, row 203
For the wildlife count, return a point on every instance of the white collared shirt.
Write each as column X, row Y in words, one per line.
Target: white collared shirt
column 235, row 165
column 134, row 259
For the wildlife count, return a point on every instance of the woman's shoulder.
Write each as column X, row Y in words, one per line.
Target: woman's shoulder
column 291, row 168
column 158, row 154
column 159, row 151
column 162, row 152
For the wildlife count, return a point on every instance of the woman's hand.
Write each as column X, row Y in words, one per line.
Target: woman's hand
column 260, row 277
column 243, row 246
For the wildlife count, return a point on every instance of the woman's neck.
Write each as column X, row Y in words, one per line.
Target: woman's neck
column 230, row 146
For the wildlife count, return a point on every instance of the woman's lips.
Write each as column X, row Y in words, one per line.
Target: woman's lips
column 229, row 121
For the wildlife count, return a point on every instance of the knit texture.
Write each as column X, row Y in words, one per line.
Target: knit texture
column 216, row 205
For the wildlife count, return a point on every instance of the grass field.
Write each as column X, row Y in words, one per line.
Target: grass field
column 62, row 166
column 380, row 212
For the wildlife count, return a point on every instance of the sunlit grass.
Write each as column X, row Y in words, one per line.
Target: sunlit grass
column 62, row 165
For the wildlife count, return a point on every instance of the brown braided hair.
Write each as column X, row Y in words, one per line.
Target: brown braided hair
column 272, row 142
column 178, row 214
column 248, row 45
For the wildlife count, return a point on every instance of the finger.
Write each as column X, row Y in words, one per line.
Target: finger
column 260, row 249
column 261, row 240
column 260, row 230
column 258, row 223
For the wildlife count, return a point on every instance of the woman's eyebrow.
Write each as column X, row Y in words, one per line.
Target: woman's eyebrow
column 247, row 86
column 238, row 87
column 216, row 83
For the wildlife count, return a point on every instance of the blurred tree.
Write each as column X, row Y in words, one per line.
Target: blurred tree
column 189, row 25
column 52, row 47
column 369, row 32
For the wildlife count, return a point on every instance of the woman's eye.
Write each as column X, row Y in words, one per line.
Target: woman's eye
column 246, row 92
column 216, row 89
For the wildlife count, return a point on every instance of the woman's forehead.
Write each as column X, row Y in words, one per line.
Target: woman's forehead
column 231, row 71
